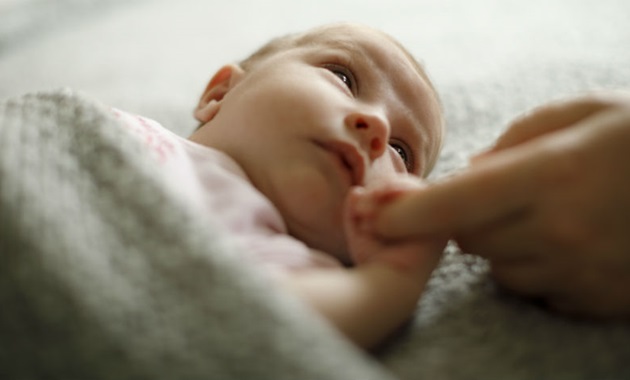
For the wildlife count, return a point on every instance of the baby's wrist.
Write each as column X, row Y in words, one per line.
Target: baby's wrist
column 403, row 262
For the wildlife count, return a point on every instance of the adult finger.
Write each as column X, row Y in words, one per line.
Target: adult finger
column 512, row 239
column 500, row 185
column 609, row 303
column 530, row 278
column 554, row 116
column 491, row 190
column 519, row 261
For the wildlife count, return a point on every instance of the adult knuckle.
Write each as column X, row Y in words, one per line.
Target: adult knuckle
column 594, row 101
column 605, row 99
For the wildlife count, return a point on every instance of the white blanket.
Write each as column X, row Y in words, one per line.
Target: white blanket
column 106, row 273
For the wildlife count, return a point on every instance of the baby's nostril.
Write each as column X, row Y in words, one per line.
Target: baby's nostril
column 361, row 124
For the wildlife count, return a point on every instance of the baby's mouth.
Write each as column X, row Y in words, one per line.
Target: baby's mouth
column 349, row 157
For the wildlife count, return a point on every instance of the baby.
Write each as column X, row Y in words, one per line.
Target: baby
column 289, row 140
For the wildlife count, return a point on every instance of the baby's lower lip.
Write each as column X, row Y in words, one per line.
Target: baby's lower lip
column 347, row 159
column 340, row 162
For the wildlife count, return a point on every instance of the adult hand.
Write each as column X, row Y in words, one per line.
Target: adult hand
column 549, row 206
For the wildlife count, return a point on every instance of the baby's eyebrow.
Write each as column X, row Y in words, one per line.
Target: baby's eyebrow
column 352, row 48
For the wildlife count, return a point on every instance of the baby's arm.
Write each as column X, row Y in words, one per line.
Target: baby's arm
column 371, row 300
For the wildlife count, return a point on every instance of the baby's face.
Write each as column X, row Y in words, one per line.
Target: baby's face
column 306, row 124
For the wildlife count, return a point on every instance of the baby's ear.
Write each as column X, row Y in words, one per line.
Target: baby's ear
column 220, row 84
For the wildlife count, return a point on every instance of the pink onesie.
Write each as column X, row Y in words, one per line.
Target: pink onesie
column 215, row 182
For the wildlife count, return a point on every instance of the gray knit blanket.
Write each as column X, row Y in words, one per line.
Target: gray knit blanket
column 107, row 273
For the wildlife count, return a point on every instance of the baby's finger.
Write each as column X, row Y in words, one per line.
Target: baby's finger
column 366, row 201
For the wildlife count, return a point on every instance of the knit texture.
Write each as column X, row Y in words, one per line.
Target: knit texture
column 106, row 274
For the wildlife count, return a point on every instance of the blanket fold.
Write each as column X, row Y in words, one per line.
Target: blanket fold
column 105, row 273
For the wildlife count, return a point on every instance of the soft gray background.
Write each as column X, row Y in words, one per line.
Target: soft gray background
column 490, row 60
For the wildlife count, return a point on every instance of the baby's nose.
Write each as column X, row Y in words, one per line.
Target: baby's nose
column 371, row 131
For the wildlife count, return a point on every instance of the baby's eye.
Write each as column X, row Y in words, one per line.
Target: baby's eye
column 405, row 154
column 344, row 74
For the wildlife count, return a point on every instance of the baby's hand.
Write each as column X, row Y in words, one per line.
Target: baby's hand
column 404, row 255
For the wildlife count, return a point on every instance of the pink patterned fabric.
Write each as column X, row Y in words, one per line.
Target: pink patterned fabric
column 215, row 182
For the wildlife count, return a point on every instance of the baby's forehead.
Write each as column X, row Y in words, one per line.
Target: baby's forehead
column 360, row 40
column 356, row 39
